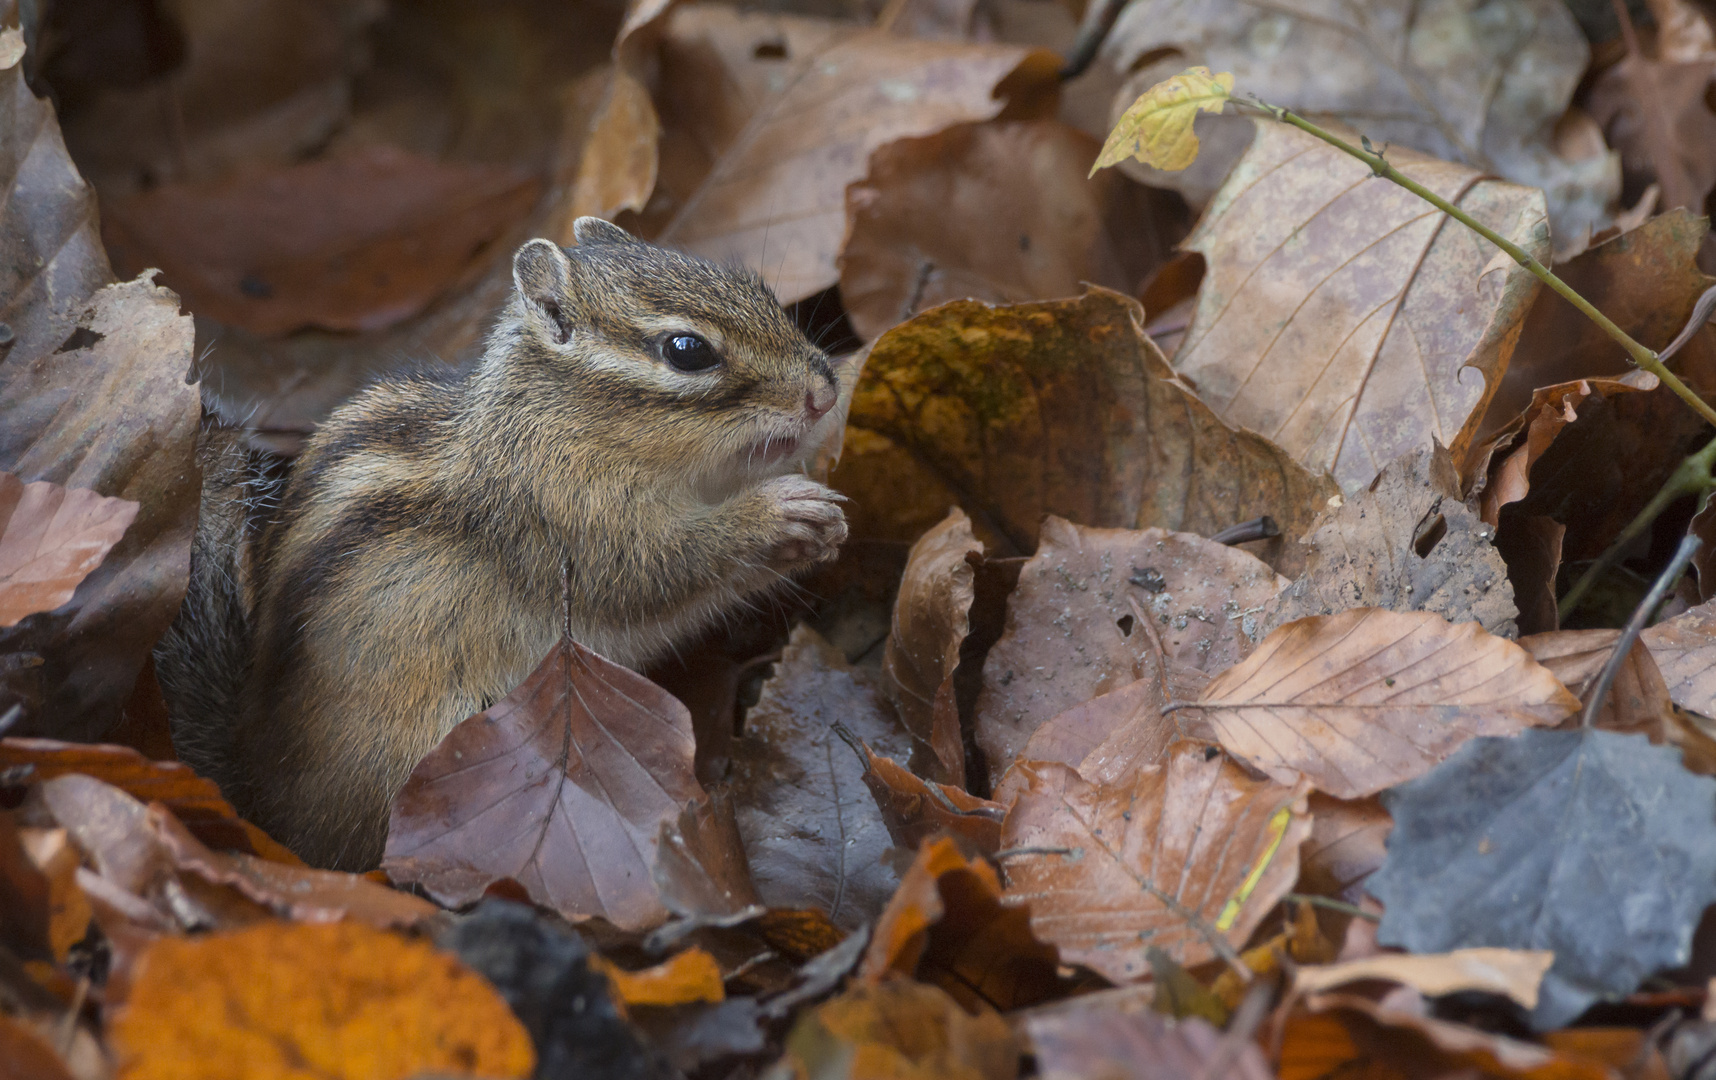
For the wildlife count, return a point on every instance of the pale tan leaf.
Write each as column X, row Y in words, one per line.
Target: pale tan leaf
column 1685, row 649
column 1186, row 856
column 1368, row 698
column 51, row 537
column 1513, row 973
column 1337, row 315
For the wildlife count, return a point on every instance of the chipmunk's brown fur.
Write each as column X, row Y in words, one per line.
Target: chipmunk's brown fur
column 410, row 574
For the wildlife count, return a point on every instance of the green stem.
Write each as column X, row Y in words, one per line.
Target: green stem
column 1380, row 166
column 1696, row 475
column 1333, row 905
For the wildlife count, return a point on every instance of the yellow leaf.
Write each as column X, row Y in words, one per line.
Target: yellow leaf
column 1157, row 129
column 692, row 975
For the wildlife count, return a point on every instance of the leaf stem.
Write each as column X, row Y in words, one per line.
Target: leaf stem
column 1380, row 166
column 1333, row 905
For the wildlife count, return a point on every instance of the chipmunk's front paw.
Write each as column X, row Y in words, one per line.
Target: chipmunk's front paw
column 809, row 525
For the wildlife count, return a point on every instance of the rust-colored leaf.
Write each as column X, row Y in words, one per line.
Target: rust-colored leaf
column 700, row 867
column 354, row 241
column 562, row 786
column 932, row 615
column 29, row 1054
column 1337, row 315
column 1405, row 542
column 1370, row 698
column 814, row 834
column 68, row 909
column 51, row 538
column 1073, row 622
column 1638, row 700
column 284, row 1000
column 1186, row 856
column 903, row 1031
column 1059, row 407
column 1684, row 648
column 998, row 212
column 774, row 193
column 947, row 925
column 915, row 809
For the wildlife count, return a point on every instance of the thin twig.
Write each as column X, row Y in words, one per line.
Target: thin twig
column 1635, row 626
column 1333, row 905
column 1098, row 21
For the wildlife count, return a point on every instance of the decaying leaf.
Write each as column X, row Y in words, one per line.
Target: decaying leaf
column 1684, row 648
column 902, row 1030
column 915, row 809
column 1156, row 129
column 1112, row 734
column 932, row 615
column 563, row 786
column 1346, row 845
column 1337, row 316
column 1138, row 1046
column 779, row 176
column 1638, row 700
column 1186, row 856
column 814, row 834
column 1062, row 407
column 1511, row 972
column 690, row 976
column 999, row 212
column 50, row 539
column 1408, row 543
column 700, row 867
column 341, row 1001
column 1590, row 844
column 1369, row 698
column 1072, row 623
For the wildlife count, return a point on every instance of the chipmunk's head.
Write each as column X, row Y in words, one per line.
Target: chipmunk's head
column 693, row 363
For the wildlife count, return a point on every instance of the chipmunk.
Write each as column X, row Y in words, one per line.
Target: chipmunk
column 639, row 417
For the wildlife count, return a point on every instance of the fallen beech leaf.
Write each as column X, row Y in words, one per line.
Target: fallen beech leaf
column 932, row 615
column 563, row 786
column 338, row 1001
column 1637, row 700
column 1337, row 315
column 1186, row 856
column 1072, row 623
column 904, row 1031
column 50, row 539
column 1408, row 543
column 700, row 864
column 1684, row 648
column 1363, row 700
column 779, row 175
column 812, row 831
column 1157, row 128
column 26, row 906
column 915, row 809
column 922, row 225
column 195, row 800
column 1138, row 1046
column 1615, row 895
column 1061, row 407
column 690, row 976
column 1349, row 1035
column 52, row 852
column 621, row 153
column 1512, row 973
column 947, row 925
column 1346, row 845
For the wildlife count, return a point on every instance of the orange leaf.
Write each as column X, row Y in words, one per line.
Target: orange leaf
column 899, row 1030
column 690, row 976
column 283, row 1000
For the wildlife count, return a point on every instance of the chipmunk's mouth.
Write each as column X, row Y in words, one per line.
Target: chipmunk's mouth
column 772, row 449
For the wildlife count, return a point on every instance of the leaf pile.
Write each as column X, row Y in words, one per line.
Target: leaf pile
column 1167, row 714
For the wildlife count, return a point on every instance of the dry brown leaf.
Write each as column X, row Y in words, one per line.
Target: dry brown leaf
column 814, row 834
column 53, row 853
column 1405, row 542
column 355, row 241
column 1186, row 856
column 1337, row 315
column 997, row 212
column 778, row 178
column 1063, row 407
column 1684, row 648
column 700, row 864
column 1530, row 545
column 932, row 615
column 1072, row 624
column 915, row 809
column 902, row 1031
column 947, row 925
column 1370, row 698
column 51, row 538
column 1092, row 1043
column 1638, row 700
column 194, row 800
column 1513, row 973
column 563, row 786
column 1346, row 845
column 344, row 1002
column 621, row 152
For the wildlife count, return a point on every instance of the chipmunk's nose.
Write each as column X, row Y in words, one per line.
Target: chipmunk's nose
column 818, row 400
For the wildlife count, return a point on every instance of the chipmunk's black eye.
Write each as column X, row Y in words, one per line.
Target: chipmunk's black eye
column 688, row 352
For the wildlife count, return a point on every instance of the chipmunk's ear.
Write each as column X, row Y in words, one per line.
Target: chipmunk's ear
column 543, row 275
column 589, row 231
